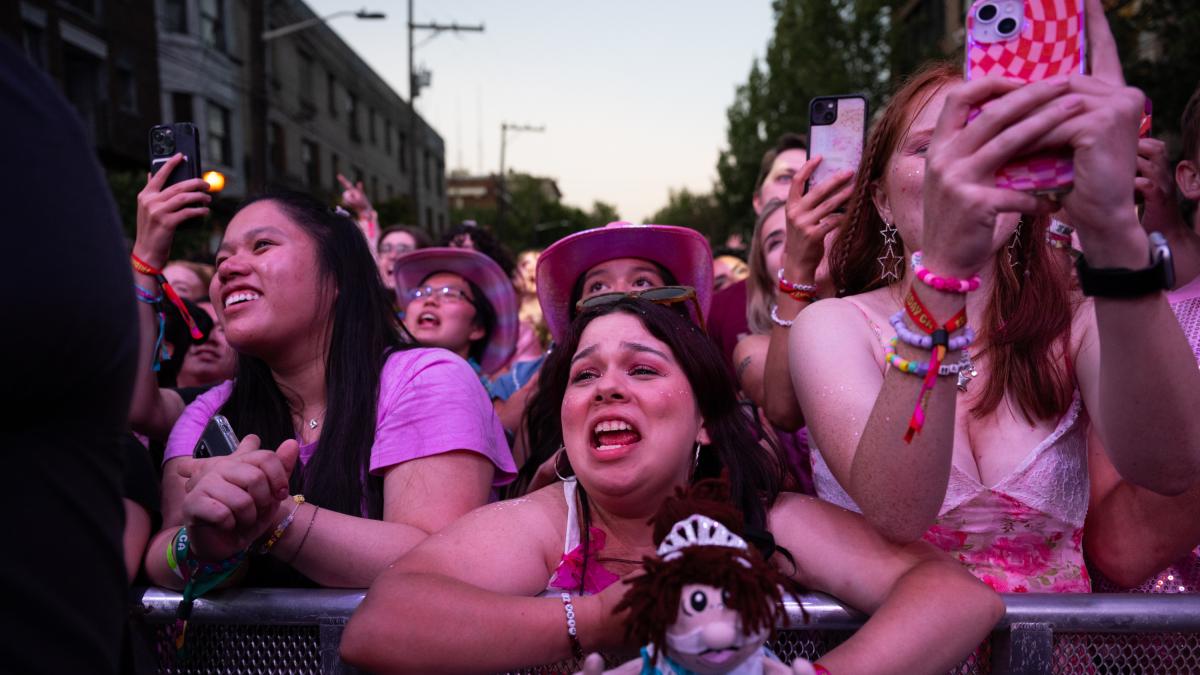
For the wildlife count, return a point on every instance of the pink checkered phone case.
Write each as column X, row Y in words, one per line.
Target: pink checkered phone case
column 1028, row 40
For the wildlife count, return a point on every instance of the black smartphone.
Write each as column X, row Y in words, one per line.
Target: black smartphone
column 168, row 139
column 217, row 440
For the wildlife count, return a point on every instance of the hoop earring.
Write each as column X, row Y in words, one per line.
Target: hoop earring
column 559, row 454
column 889, row 262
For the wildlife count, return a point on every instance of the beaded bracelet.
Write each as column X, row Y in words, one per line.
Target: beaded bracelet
column 893, row 358
column 147, row 296
column 281, row 527
column 943, row 284
column 798, row 292
column 572, row 632
column 912, row 338
column 782, row 323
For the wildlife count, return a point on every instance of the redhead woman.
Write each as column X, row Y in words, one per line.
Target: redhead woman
column 986, row 456
column 386, row 443
column 640, row 390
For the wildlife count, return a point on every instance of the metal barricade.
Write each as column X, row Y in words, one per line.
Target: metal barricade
column 298, row 631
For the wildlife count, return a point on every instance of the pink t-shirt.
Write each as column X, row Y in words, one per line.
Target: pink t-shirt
column 430, row 402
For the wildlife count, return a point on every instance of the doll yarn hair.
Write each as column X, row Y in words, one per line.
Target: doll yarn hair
column 754, row 588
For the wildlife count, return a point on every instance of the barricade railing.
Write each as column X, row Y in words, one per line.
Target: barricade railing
column 298, row 631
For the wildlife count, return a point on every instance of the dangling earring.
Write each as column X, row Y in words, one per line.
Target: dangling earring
column 1015, row 243
column 889, row 262
column 696, row 458
column 559, row 454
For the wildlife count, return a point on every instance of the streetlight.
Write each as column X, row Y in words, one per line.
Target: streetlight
column 258, row 78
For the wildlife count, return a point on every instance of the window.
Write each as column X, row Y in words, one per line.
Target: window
column 352, row 111
column 358, row 174
column 371, row 124
column 403, row 152
column 375, row 189
column 310, row 155
column 334, row 170
column 220, row 146
column 387, row 136
column 175, row 16
column 428, row 217
column 428, row 171
column 276, row 148
column 212, row 23
column 127, row 95
column 331, row 94
column 307, row 84
column 181, row 107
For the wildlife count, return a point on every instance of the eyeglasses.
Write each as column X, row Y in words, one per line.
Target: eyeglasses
column 442, row 294
column 659, row 295
column 394, row 248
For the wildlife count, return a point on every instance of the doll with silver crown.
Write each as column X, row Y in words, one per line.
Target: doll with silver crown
column 708, row 603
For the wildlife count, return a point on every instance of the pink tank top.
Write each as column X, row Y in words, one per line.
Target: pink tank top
column 1184, row 575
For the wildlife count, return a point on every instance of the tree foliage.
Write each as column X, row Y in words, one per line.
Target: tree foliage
column 698, row 211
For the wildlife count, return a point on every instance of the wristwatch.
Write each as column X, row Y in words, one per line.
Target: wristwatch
column 1118, row 282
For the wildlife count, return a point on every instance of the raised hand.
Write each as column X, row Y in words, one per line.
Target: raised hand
column 232, row 501
column 160, row 211
column 1155, row 182
column 810, row 217
column 961, row 200
column 354, row 197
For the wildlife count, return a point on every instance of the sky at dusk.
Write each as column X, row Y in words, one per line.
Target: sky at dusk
column 632, row 94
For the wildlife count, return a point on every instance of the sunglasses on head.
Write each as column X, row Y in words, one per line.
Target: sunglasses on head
column 659, row 295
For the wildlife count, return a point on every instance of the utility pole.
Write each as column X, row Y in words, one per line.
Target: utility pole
column 415, row 82
column 502, row 202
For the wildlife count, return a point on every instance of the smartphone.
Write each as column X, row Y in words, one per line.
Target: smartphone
column 217, row 440
column 168, row 139
column 837, row 131
column 1028, row 40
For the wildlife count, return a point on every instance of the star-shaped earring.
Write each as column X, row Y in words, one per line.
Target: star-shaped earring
column 889, row 262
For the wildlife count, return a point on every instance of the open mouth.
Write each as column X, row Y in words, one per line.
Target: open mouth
column 614, row 434
column 428, row 320
column 240, row 297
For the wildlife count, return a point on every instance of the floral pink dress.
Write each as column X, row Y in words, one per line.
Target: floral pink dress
column 1184, row 575
column 1025, row 533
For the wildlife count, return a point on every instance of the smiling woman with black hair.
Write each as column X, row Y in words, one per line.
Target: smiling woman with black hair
column 392, row 442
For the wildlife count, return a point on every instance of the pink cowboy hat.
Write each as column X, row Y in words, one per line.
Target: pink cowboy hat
column 684, row 252
column 415, row 266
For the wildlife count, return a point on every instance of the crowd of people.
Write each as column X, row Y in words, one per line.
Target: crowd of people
column 921, row 390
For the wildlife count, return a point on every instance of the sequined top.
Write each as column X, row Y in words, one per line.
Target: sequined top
column 1025, row 533
column 1184, row 575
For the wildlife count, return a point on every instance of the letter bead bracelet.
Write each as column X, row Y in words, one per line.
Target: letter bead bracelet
column 911, row 337
column 940, row 283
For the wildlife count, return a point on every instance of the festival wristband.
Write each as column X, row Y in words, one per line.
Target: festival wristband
column 924, row 321
column 940, row 283
column 142, row 267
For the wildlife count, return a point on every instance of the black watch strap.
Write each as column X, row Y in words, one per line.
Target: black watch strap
column 1118, row 282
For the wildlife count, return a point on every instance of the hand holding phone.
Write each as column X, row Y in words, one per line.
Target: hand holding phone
column 167, row 140
column 1028, row 41
column 837, row 131
column 217, row 440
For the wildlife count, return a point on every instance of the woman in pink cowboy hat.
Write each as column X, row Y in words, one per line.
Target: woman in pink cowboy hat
column 459, row 299
column 617, row 258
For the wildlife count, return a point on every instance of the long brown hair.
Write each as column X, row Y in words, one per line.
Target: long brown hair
column 760, row 285
column 1027, row 325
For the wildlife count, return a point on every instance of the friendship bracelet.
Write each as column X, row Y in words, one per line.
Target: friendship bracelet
column 798, row 292
column 142, row 267
column 893, row 358
column 572, row 633
column 940, row 283
column 940, row 343
column 147, row 296
column 910, row 337
column 281, row 527
column 782, row 323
